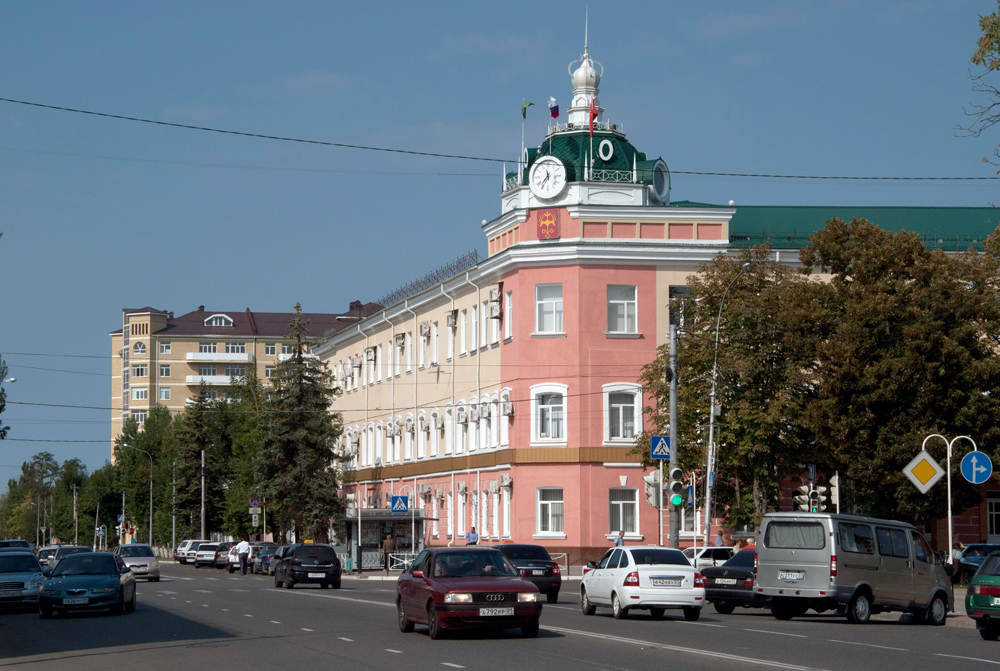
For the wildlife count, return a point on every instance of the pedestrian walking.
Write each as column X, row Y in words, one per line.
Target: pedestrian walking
column 388, row 547
column 243, row 552
column 956, row 562
column 472, row 538
column 620, row 539
column 718, row 539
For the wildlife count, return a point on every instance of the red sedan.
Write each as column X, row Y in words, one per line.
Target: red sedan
column 457, row 588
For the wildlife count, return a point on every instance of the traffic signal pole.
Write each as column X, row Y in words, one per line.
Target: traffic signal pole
column 675, row 511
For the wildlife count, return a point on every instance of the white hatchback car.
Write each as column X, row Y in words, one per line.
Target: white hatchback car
column 643, row 578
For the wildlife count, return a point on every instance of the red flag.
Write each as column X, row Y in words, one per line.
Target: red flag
column 593, row 115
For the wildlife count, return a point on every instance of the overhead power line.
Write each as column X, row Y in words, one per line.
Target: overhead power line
column 393, row 150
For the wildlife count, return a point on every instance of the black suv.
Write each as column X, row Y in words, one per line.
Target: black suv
column 307, row 563
column 536, row 566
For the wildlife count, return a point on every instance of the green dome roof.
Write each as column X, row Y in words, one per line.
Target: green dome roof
column 573, row 150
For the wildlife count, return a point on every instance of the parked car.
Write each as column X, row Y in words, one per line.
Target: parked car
column 15, row 543
column 233, row 559
column 63, row 551
column 643, row 578
column 141, row 559
column 455, row 588
column 710, row 556
column 204, row 555
column 262, row 559
column 20, row 578
column 972, row 558
column 46, row 553
column 982, row 598
column 87, row 581
column 732, row 584
column 308, row 563
column 536, row 566
column 276, row 557
column 185, row 551
column 222, row 553
column 860, row 565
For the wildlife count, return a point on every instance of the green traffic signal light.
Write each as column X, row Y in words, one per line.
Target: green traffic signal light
column 676, row 499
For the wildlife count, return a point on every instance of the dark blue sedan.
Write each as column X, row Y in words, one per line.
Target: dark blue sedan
column 87, row 581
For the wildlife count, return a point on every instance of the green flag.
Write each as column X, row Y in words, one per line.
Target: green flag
column 524, row 109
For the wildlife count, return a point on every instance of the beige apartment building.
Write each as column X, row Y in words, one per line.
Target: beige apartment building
column 158, row 358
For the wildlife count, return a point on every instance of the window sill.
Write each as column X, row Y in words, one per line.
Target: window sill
column 628, row 537
column 484, row 348
column 622, row 335
column 494, row 345
column 462, row 355
column 548, row 443
column 620, row 442
column 548, row 335
column 409, row 372
column 554, row 537
column 508, row 340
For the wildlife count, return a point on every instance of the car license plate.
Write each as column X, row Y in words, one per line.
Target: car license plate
column 538, row 571
column 996, row 600
column 495, row 612
column 10, row 594
column 317, row 575
column 791, row 575
column 73, row 602
column 666, row 582
column 725, row 581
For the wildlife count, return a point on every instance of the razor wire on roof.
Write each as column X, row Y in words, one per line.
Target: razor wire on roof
column 446, row 271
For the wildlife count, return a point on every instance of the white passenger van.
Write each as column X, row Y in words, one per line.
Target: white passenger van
column 858, row 565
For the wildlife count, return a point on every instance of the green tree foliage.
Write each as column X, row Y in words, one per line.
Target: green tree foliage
column 194, row 435
column 241, row 419
column 3, row 398
column 295, row 460
column 986, row 114
column 132, row 472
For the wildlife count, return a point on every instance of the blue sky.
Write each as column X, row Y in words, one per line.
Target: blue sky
column 99, row 214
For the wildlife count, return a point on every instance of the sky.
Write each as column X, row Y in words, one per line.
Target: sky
column 99, row 214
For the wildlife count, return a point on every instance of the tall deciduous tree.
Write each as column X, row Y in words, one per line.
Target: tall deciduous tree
column 295, row 462
column 3, row 398
column 985, row 114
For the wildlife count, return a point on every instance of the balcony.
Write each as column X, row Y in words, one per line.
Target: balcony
column 286, row 357
column 219, row 356
column 208, row 379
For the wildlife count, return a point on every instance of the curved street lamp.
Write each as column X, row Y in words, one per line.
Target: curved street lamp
column 150, row 490
column 711, row 413
column 949, row 443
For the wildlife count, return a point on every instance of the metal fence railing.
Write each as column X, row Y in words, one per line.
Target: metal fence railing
column 562, row 559
column 401, row 561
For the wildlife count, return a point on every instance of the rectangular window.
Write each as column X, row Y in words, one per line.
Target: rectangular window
column 421, row 351
column 434, row 343
column 268, row 372
column 508, row 316
column 139, row 416
column 484, row 338
column 206, row 347
column 378, row 363
column 269, row 349
column 621, row 415
column 164, row 393
column 494, row 330
column 795, row 536
column 409, row 350
column 236, row 348
column 892, row 543
column 621, row 308
column 550, row 510
column 856, row 538
column 286, row 348
column 550, row 416
column 548, row 308
column 624, row 514
column 236, row 371
column 461, row 514
column 164, row 348
column 463, row 320
column 139, row 394
column 506, row 511
column 141, row 370
column 164, row 370
column 678, row 303
column 451, row 343
column 212, row 393
column 450, row 503
column 474, row 331
column 206, row 370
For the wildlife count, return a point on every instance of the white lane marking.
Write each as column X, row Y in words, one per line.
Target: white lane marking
column 202, row 591
column 225, row 610
column 165, row 591
column 211, row 578
column 173, row 598
column 233, row 589
column 395, row 652
column 187, row 602
column 678, row 648
column 454, row 666
column 869, row 645
column 330, row 596
column 304, row 629
column 275, row 622
column 974, row 659
column 204, row 605
column 776, row 633
column 703, row 624
column 245, row 615
column 230, row 578
column 180, row 578
column 546, row 608
column 349, row 640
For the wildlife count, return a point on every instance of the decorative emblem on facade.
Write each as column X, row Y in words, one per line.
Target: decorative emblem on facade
column 548, row 224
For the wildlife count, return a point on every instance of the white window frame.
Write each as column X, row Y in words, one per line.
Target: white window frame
column 139, row 349
column 408, row 438
column 550, row 533
column 461, row 430
column 268, row 372
column 451, row 342
column 164, row 393
column 207, row 347
column 485, row 331
column 140, row 416
column 635, row 503
column 474, row 330
column 140, row 393
column 286, row 348
column 495, row 516
column 450, row 505
column 422, row 352
column 462, row 498
column 164, row 348
column 164, row 370
column 219, row 320
column 449, row 429
column 505, row 494
column 622, row 388
column 270, row 349
column 473, row 427
column 502, row 420
column 379, row 433
column 207, row 367
column 435, row 433
column 634, row 303
column 378, row 363
column 230, row 370
column 434, row 343
column 140, row 370
column 558, row 313
column 549, row 388
column 408, row 340
column 434, row 516
column 236, row 348
column 508, row 316
column 463, row 320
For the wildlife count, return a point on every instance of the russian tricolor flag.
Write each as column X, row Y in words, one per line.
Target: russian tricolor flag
column 553, row 108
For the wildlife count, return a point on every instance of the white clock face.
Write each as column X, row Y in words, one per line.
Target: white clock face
column 547, row 178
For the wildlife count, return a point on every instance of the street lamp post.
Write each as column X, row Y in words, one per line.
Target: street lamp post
column 950, row 443
column 150, row 490
column 711, row 412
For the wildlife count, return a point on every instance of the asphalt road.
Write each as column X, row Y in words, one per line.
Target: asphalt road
column 208, row 619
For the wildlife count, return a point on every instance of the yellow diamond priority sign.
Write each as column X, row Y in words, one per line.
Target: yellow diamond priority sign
column 923, row 471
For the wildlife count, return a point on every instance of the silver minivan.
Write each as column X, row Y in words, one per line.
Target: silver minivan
column 859, row 565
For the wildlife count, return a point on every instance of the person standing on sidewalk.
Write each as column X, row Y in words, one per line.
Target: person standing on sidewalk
column 243, row 552
column 388, row 547
column 472, row 538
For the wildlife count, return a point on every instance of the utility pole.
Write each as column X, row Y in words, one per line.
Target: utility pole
column 38, row 517
column 97, row 518
column 121, row 532
column 675, row 512
column 173, row 511
column 203, row 495
column 76, row 522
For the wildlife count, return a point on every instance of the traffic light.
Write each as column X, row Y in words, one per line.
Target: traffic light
column 676, row 486
column 835, row 491
column 818, row 498
column 652, row 482
column 802, row 499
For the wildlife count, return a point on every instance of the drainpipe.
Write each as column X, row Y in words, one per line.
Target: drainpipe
column 451, row 513
column 479, row 505
column 367, row 388
column 416, row 369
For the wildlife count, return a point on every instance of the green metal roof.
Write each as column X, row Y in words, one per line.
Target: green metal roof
column 947, row 228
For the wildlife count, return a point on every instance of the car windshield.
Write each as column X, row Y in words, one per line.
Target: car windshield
column 742, row 559
column 65, row 552
column 207, row 547
column 14, row 544
column 313, row 554
column 526, row 552
column 991, row 566
column 460, row 564
column 99, row 565
column 12, row 563
column 46, row 553
column 136, row 551
column 653, row 557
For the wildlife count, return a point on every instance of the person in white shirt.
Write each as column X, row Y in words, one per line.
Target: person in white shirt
column 243, row 551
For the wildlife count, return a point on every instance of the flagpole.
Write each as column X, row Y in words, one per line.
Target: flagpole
column 524, row 115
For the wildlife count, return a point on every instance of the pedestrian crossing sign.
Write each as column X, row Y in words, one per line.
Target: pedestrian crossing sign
column 660, row 447
column 400, row 504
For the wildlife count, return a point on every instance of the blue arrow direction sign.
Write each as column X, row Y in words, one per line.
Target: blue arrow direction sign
column 659, row 447
column 400, row 504
column 976, row 467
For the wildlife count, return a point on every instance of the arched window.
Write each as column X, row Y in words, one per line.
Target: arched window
column 503, row 420
column 548, row 415
column 474, row 425
column 421, row 429
column 484, row 423
column 495, row 420
column 139, row 349
column 435, row 432
column 408, row 430
column 461, row 427
column 622, row 413
column 379, row 458
column 449, row 430
column 397, row 439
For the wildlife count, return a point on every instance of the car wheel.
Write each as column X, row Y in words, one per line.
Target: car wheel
column 859, row 609
column 156, row 579
column 196, row 565
column 781, row 610
column 335, row 585
column 530, row 630
column 277, row 583
column 937, row 614
column 553, row 597
column 692, row 614
column 988, row 633
column 617, row 611
column 723, row 608
column 288, row 583
column 231, row 569
column 130, row 606
column 46, row 614
column 585, row 605
column 405, row 623
column 324, row 585
column 657, row 613
column 119, row 608
column 434, row 629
